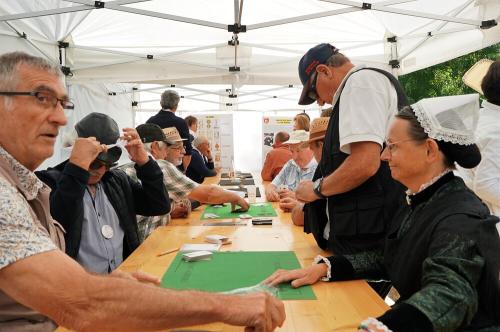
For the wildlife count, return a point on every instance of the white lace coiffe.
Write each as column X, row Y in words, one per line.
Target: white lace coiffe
column 450, row 119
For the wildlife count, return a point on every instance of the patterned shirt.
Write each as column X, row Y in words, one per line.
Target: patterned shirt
column 291, row 174
column 178, row 186
column 20, row 235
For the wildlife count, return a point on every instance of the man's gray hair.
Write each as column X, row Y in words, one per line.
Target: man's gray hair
column 10, row 62
column 147, row 146
column 199, row 140
column 337, row 60
column 169, row 100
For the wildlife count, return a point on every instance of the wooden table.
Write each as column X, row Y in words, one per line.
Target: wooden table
column 340, row 306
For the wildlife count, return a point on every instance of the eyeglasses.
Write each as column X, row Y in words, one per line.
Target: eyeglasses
column 312, row 89
column 176, row 147
column 96, row 164
column 391, row 147
column 45, row 98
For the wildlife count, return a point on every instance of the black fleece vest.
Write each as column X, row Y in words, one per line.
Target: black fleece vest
column 360, row 217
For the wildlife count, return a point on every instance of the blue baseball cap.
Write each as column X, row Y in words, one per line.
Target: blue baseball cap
column 317, row 55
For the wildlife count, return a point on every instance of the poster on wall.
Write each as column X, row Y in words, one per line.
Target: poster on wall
column 270, row 126
column 218, row 129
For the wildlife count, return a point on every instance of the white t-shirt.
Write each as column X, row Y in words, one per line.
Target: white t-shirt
column 484, row 179
column 367, row 104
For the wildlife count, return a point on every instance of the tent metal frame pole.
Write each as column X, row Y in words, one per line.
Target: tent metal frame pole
column 453, row 12
column 436, row 33
column 266, row 90
column 32, row 44
column 200, row 90
column 406, row 12
column 47, row 12
column 203, row 100
column 340, row 11
column 167, row 16
column 121, row 62
column 86, row 5
column 296, row 19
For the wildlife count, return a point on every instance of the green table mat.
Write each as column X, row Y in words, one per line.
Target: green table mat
column 255, row 210
column 230, row 270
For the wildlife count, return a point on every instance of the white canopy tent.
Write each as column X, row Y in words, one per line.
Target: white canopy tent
column 231, row 54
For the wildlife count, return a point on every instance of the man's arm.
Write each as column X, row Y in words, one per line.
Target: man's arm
column 84, row 302
column 186, row 160
column 211, row 194
column 150, row 196
column 359, row 166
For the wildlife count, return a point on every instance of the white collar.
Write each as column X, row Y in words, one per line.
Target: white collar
column 488, row 105
column 354, row 69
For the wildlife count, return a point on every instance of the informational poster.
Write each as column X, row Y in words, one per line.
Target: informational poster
column 270, row 126
column 218, row 129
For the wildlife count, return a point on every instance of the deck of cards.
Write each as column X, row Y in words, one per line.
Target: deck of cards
column 217, row 239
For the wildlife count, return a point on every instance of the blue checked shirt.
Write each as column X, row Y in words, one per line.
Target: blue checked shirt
column 291, row 174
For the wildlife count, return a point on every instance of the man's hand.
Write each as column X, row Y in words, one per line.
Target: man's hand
column 134, row 146
column 137, row 276
column 208, row 154
column 259, row 312
column 299, row 277
column 179, row 210
column 271, row 194
column 287, row 193
column 287, row 204
column 305, row 192
column 84, row 152
column 244, row 206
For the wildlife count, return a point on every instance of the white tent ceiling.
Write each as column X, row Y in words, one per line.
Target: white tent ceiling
column 187, row 41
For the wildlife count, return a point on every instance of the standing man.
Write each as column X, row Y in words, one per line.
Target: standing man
column 166, row 118
column 361, row 196
column 192, row 124
column 40, row 286
column 277, row 157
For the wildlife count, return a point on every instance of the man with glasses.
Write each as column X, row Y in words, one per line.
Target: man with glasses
column 167, row 149
column 98, row 206
column 202, row 163
column 361, row 197
column 301, row 167
column 40, row 286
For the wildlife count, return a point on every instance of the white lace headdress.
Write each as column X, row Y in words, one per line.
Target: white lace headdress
column 451, row 119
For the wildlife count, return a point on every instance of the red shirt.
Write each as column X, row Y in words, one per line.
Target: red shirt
column 275, row 159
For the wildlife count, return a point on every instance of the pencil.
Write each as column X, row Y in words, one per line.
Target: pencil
column 166, row 252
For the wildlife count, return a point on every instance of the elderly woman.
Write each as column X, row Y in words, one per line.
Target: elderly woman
column 437, row 253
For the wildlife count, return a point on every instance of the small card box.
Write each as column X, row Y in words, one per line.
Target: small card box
column 192, row 247
column 217, row 239
column 196, row 256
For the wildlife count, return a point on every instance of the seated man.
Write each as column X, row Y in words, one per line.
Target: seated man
column 40, row 286
column 301, row 167
column 277, row 157
column 166, row 147
column 98, row 206
column 316, row 138
column 202, row 163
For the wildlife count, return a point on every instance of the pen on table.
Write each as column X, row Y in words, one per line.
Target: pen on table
column 166, row 252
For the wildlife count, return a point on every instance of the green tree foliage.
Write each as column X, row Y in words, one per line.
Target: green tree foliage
column 445, row 79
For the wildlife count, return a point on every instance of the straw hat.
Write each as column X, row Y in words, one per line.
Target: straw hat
column 474, row 76
column 318, row 128
column 172, row 135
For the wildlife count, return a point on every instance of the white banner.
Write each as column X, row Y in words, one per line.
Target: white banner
column 270, row 126
column 218, row 129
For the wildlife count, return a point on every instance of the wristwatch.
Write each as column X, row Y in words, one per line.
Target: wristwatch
column 317, row 188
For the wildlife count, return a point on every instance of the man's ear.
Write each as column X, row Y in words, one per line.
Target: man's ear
column 324, row 69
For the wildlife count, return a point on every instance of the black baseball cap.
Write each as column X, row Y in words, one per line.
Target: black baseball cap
column 317, row 55
column 150, row 132
column 105, row 130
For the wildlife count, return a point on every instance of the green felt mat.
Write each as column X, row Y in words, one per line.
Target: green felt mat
column 230, row 270
column 224, row 212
